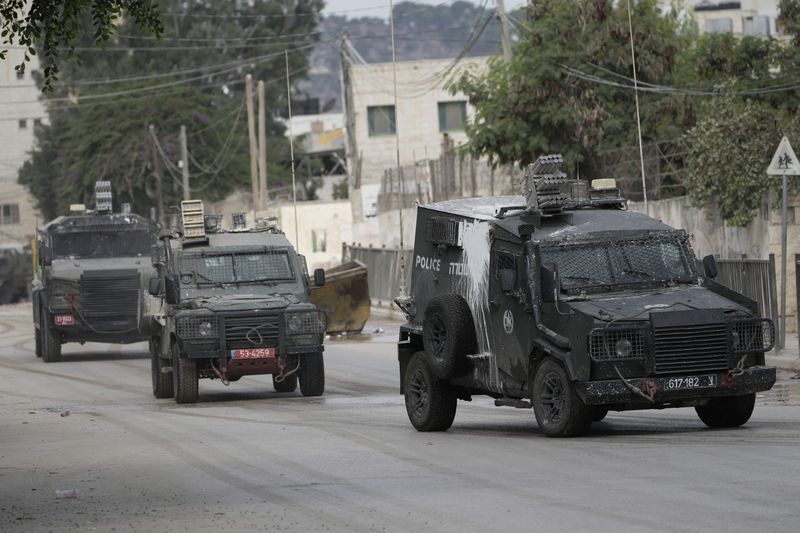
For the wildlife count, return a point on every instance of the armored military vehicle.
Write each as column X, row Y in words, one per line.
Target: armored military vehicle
column 236, row 304
column 564, row 301
column 92, row 270
column 16, row 272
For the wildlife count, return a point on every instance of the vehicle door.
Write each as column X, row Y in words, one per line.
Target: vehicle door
column 509, row 333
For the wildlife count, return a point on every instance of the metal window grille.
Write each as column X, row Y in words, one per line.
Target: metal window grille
column 232, row 268
column 603, row 343
column 440, row 230
column 752, row 335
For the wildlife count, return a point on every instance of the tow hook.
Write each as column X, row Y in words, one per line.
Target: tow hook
column 221, row 376
column 282, row 367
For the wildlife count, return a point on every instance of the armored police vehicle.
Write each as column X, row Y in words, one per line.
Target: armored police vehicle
column 564, row 301
column 16, row 272
column 236, row 305
column 92, row 269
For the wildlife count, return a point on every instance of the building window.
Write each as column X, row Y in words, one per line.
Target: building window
column 756, row 25
column 319, row 241
column 23, row 123
column 37, row 122
column 720, row 25
column 381, row 120
column 452, row 116
column 9, row 214
column 20, row 75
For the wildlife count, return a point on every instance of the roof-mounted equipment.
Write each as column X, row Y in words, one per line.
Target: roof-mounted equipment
column 192, row 216
column 545, row 183
column 102, row 197
column 239, row 222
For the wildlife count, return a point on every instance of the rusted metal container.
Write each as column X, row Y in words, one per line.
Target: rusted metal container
column 344, row 297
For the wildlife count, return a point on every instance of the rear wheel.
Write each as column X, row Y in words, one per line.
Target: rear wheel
column 727, row 411
column 37, row 333
column 288, row 384
column 51, row 341
column 311, row 374
column 430, row 402
column 184, row 378
column 559, row 410
column 162, row 381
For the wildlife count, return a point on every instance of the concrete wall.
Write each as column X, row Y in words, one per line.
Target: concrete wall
column 19, row 102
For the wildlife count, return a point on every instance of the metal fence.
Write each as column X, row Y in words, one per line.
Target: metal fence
column 384, row 271
column 755, row 278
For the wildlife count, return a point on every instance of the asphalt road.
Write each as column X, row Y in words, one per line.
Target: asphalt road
column 246, row 458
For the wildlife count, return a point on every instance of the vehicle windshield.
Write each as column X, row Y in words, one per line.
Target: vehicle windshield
column 209, row 268
column 612, row 263
column 99, row 244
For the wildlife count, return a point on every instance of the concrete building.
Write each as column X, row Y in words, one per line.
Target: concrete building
column 426, row 112
column 746, row 17
column 20, row 112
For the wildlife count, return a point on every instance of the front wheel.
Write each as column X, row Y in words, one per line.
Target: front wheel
column 162, row 381
column 184, row 378
column 430, row 402
column 51, row 342
column 727, row 411
column 559, row 410
column 311, row 374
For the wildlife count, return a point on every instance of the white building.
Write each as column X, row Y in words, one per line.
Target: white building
column 746, row 17
column 20, row 112
column 426, row 111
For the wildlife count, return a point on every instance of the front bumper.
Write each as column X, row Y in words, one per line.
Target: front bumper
column 616, row 392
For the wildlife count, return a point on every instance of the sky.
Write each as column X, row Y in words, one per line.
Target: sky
column 380, row 8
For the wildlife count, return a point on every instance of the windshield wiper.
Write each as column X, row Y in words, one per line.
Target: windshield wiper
column 214, row 282
column 583, row 278
column 640, row 273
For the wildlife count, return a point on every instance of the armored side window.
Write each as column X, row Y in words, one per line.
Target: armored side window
column 441, row 230
column 505, row 270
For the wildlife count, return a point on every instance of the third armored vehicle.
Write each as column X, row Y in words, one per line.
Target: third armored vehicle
column 236, row 304
column 92, row 268
column 566, row 302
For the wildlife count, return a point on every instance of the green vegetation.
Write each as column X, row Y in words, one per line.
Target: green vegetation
column 99, row 113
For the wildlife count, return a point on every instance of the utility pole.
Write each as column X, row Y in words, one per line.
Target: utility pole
column 262, row 147
column 504, row 38
column 157, row 174
column 187, row 195
column 251, row 132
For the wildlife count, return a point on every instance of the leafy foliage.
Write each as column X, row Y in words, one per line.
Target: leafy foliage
column 98, row 116
column 53, row 25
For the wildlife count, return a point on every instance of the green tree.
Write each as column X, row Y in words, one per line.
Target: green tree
column 56, row 25
column 543, row 101
column 99, row 113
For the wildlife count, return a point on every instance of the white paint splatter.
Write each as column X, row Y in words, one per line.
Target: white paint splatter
column 474, row 286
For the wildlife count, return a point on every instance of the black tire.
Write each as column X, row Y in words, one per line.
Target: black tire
column 599, row 413
column 727, row 411
column 184, row 378
column 430, row 402
column 559, row 410
column 289, row 384
column 162, row 381
column 448, row 335
column 311, row 374
column 37, row 334
column 51, row 341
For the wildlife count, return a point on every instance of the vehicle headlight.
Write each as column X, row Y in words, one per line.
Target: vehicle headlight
column 623, row 348
column 736, row 340
column 306, row 322
column 607, row 344
column 197, row 327
column 752, row 335
column 60, row 293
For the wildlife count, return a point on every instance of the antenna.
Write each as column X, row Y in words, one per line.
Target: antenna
column 291, row 150
column 636, row 96
column 397, row 154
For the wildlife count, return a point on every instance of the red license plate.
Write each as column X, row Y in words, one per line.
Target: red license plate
column 65, row 320
column 253, row 353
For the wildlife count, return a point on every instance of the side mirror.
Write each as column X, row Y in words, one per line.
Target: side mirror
column 507, row 279
column 319, row 277
column 172, row 290
column 710, row 266
column 550, row 284
column 154, row 288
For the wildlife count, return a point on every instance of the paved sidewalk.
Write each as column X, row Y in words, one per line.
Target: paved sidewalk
column 789, row 357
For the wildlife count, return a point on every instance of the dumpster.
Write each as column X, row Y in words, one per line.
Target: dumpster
column 344, row 297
